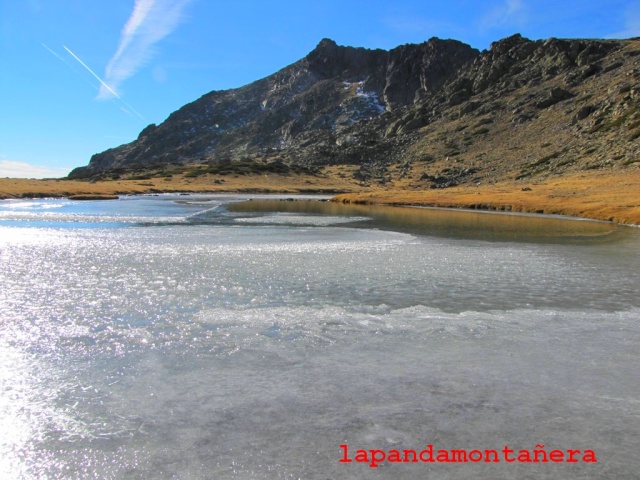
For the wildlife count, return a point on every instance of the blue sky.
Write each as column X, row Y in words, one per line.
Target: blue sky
column 80, row 76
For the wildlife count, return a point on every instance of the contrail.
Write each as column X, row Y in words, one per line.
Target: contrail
column 130, row 108
column 92, row 73
column 72, row 67
column 53, row 53
column 104, row 84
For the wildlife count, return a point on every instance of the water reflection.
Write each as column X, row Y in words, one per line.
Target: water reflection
column 489, row 226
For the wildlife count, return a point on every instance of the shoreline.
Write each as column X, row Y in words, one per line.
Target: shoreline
column 519, row 214
column 611, row 196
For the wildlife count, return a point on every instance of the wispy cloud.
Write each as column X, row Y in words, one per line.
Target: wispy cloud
column 150, row 22
column 14, row 169
column 509, row 13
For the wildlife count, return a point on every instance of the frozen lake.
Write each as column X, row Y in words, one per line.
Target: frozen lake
column 198, row 337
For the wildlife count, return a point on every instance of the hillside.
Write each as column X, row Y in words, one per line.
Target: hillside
column 308, row 114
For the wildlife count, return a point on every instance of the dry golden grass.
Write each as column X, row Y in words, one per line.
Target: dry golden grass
column 613, row 196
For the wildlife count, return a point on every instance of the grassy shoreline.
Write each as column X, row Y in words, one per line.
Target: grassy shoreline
column 610, row 196
column 32, row 188
column 604, row 196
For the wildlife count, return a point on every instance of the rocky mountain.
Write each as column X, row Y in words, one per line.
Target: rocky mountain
column 433, row 115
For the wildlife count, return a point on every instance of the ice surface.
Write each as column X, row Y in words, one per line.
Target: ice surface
column 247, row 349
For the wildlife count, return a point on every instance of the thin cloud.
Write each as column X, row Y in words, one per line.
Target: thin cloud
column 150, row 22
column 509, row 13
column 14, row 169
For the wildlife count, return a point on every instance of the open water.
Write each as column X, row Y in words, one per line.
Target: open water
column 193, row 337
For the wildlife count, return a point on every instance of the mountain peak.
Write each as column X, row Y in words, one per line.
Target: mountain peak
column 326, row 43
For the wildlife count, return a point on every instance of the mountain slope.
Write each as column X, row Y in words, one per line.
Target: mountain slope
column 432, row 115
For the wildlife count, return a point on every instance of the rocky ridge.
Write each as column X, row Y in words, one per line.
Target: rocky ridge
column 431, row 115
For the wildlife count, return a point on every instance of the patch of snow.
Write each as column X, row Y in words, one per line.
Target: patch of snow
column 372, row 97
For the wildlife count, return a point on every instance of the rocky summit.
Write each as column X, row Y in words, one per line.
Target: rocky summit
column 431, row 115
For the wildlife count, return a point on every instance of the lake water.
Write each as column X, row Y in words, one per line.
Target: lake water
column 201, row 337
